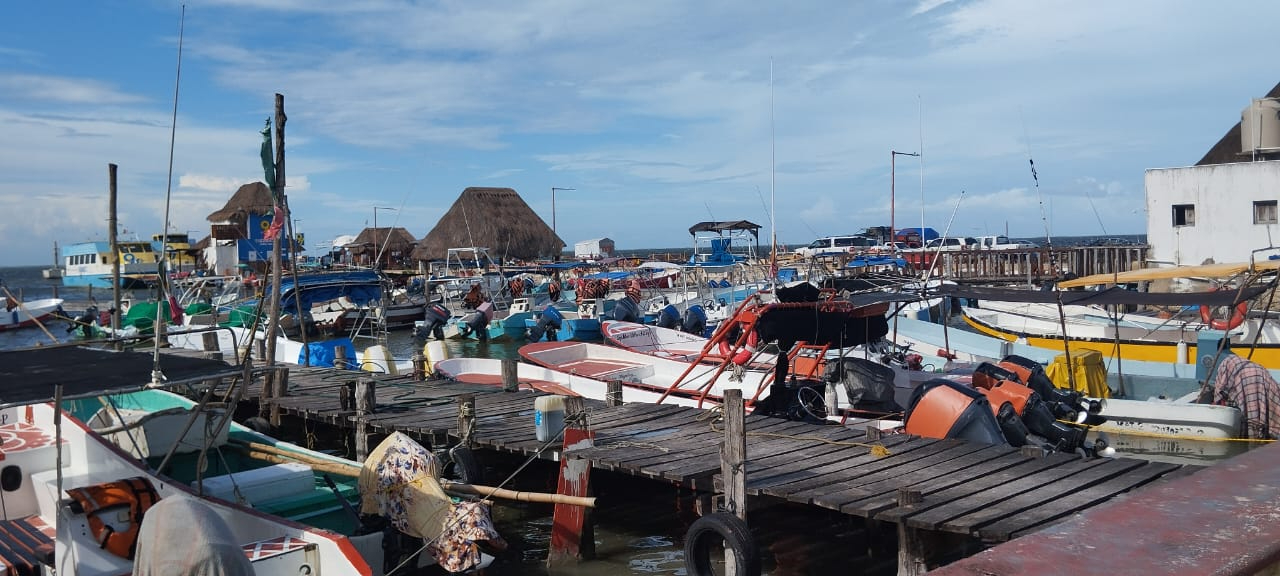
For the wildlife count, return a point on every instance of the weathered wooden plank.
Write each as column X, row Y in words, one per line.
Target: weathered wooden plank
column 834, row 496
column 1039, row 516
column 831, row 467
column 933, row 519
column 693, row 465
column 1004, row 476
column 804, row 491
column 884, row 495
column 992, row 509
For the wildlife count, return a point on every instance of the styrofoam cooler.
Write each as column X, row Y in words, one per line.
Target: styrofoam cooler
column 548, row 416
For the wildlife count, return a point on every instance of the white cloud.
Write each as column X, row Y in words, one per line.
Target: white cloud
column 63, row 90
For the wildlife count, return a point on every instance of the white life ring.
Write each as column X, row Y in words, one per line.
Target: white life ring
column 130, row 258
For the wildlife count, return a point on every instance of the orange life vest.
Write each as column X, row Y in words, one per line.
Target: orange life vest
column 137, row 493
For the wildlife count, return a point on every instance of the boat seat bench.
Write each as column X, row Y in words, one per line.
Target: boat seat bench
column 25, row 544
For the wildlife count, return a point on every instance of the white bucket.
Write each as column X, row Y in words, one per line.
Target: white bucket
column 548, row 416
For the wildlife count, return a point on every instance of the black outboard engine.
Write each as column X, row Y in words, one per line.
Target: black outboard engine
column 549, row 322
column 85, row 322
column 626, row 310
column 433, row 324
column 1062, row 402
column 477, row 322
column 694, row 320
column 669, row 317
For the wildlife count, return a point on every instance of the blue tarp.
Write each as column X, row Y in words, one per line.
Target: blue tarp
column 323, row 353
column 929, row 233
column 611, row 275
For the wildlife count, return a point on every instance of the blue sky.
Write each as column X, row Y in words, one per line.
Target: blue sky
column 659, row 113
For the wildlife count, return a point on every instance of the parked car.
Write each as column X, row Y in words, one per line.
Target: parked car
column 833, row 245
column 951, row 243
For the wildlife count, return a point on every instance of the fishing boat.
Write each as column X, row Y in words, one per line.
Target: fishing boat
column 65, row 478
column 488, row 372
column 54, row 272
column 20, row 314
column 1033, row 317
column 92, row 264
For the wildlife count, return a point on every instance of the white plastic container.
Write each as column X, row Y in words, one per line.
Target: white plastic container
column 548, row 416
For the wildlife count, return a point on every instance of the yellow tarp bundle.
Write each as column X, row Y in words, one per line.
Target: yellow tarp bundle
column 1090, row 373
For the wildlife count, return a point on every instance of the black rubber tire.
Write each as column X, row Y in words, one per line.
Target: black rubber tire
column 464, row 465
column 720, row 526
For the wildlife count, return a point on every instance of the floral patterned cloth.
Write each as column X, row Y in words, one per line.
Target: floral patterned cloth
column 468, row 523
column 399, row 481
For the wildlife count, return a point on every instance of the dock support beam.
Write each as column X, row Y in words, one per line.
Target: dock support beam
column 279, row 383
column 419, row 367
column 572, row 531
column 466, row 420
column 613, row 396
column 510, row 379
column 733, row 464
column 366, row 403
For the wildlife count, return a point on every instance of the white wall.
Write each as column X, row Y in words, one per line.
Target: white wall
column 1223, row 196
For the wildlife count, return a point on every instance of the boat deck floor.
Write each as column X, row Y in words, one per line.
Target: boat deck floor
column 525, row 383
column 596, row 367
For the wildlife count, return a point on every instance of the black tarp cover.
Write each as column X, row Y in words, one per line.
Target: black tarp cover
column 1114, row 295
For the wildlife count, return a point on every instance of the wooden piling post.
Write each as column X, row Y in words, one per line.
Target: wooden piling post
column 572, row 530
column 419, row 367
column 264, row 395
column 466, row 420
column 366, row 403
column 209, row 341
column 260, row 350
column 279, row 389
column 613, row 396
column 510, row 380
column 912, row 549
column 340, row 357
column 733, row 456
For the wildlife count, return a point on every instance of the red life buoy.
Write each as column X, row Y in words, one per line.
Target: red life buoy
column 1237, row 316
column 744, row 355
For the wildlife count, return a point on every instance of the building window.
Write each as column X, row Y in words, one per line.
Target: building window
column 1184, row 214
column 1264, row 212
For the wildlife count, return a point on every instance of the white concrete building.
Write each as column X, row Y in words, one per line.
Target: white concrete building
column 1221, row 212
column 592, row 249
column 1224, row 207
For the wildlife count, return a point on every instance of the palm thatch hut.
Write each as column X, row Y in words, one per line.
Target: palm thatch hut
column 495, row 218
column 252, row 198
column 393, row 243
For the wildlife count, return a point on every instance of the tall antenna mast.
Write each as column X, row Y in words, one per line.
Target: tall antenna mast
column 156, row 376
column 773, row 187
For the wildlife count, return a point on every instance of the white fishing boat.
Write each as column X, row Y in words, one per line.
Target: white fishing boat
column 646, row 378
column 66, row 482
column 488, row 372
column 19, row 314
column 653, row 340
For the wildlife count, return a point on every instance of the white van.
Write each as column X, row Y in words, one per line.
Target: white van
column 947, row 243
column 833, row 245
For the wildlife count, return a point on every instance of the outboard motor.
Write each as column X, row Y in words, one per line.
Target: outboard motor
column 434, row 321
column 1066, row 404
column 549, row 322
column 1003, row 389
column 694, row 320
column 85, row 322
column 945, row 409
column 477, row 322
column 669, row 317
column 626, row 310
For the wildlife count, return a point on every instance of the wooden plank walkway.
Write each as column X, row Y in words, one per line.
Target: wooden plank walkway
column 990, row 492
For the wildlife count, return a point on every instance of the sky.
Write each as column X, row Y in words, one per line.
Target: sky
column 658, row 114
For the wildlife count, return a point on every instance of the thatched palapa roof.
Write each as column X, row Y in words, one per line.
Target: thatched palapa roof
column 496, row 218
column 252, row 198
column 395, row 239
column 1228, row 149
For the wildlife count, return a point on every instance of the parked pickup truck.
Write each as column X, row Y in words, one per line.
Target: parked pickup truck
column 1000, row 243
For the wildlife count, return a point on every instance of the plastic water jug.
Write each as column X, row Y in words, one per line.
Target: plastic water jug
column 548, row 416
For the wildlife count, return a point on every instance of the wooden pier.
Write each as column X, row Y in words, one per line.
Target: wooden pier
column 927, row 488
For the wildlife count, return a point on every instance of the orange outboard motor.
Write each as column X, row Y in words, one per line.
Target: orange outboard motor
column 1002, row 388
column 1066, row 404
column 945, row 409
